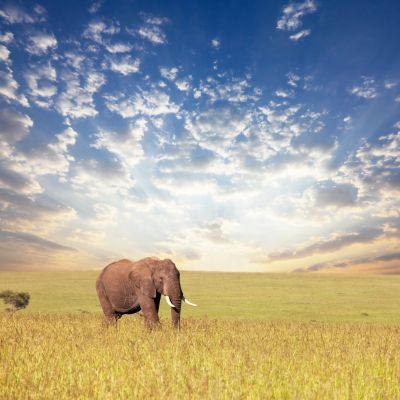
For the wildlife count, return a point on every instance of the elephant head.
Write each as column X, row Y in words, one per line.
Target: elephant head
column 154, row 276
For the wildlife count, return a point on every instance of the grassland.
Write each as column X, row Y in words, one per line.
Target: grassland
column 290, row 297
column 253, row 336
column 71, row 357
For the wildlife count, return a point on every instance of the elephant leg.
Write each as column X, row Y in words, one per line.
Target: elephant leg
column 148, row 306
column 157, row 301
column 108, row 311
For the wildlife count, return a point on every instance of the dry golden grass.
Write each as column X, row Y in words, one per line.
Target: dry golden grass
column 73, row 357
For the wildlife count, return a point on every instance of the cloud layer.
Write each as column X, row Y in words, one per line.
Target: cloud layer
column 135, row 135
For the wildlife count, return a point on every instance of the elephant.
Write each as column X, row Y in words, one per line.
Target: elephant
column 126, row 287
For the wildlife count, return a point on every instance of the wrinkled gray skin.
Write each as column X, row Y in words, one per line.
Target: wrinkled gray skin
column 126, row 287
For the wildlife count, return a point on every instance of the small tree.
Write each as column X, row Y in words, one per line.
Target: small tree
column 16, row 301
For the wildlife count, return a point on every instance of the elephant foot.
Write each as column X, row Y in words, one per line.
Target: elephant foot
column 108, row 322
column 152, row 325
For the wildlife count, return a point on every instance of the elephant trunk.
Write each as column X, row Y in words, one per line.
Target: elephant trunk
column 176, row 314
column 174, row 295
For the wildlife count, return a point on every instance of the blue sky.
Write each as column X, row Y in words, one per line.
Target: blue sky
column 222, row 135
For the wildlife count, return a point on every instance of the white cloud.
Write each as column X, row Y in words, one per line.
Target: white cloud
column 74, row 59
column 214, row 231
column 331, row 194
column 95, row 6
column 229, row 149
column 14, row 173
column 149, row 19
column 41, row 43
column 39, row 214
column 196, row 93
column 278, row 114
column 14, row 14
column 306, row 82
column 183, row 84
column 76, row 99
column 96, row 29
column 15, row 178
column 293, row 13
column 4, row 53
column 185, row 184
column 118, row 47
column 390, row 84
column 216, row 128
column 53, row 158
column 152, row 33
column 126, row 145
column 284, row 139
column 300, row 35
column 7, row 37
column 150, row 103
column 14, row 126
column 169, row 73
column 39, row 10
column 151, row 30
column 41, row 83
column 373, row 168
column 367, row 89
column 397, row 99
column 216, row 43
column 9, row 87
column 347, row 119
column 64, row 139
column 124, row 65
column 101, row 177
column 21, row 168
column 32, row 242
column 333, row 243
column 284, row 93
column 105, row 213
column 293, row 79
column 94, row 81
column 234, row 90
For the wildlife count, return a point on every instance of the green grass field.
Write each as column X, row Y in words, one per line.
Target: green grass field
column 253, row 336
column 290, row 297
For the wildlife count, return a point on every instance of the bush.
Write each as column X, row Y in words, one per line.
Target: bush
column 16, row 301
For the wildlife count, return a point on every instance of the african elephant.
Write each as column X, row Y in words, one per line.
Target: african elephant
column 126, row 287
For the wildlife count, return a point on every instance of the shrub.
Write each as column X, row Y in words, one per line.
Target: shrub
column 16, row 301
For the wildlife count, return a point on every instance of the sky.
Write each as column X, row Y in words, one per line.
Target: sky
column 225, row 135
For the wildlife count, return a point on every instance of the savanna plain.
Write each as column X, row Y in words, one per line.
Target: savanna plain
column 252, row 336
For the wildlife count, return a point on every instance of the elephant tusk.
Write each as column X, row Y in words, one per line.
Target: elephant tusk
column 188, row 302
column 169, row 302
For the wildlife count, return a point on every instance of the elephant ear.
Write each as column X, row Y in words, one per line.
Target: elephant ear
column 142, row 278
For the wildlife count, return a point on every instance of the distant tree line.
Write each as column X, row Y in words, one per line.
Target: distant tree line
column 15, row 301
